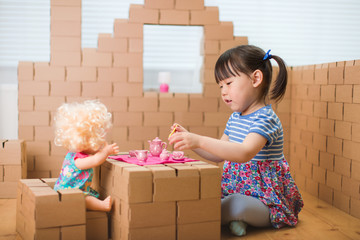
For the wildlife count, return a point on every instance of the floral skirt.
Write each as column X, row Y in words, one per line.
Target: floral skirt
column 270, row 182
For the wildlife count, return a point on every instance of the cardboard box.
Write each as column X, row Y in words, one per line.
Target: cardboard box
column 93, row 58
column 152, row 233
column 199, row 231
column 139, row 14
column 45, row 72
column 65, row 58
column 159, row 4
column 197, row 211
column 124, row 29
column 203, row 17
column 143, row 215
column 106, row 43
column 65, row 28
column 132, row 184
column 12, row 152
column 81, row 74
column 96, row 225
column 175, row 183
column 25, row 71
column 174, row 17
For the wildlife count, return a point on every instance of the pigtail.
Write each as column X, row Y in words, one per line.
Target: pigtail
column 279, row 87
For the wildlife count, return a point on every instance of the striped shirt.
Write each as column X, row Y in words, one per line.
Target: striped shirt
column 264, row 122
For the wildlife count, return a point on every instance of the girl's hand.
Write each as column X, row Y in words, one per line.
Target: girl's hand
column 185, row 140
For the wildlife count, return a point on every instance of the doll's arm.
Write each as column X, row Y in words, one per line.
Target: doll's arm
column 98, row 158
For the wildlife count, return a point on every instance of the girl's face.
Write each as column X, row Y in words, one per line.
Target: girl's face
column 240, row 94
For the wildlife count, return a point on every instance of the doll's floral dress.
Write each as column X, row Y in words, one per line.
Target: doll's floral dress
column 267, row 176
column 73, row 177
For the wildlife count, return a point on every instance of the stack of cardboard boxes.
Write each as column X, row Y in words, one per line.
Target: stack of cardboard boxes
column 174, row 201
column 43, row 213
column 13, row 166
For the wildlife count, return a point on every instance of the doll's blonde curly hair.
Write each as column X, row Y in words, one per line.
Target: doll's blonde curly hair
column 82, row 126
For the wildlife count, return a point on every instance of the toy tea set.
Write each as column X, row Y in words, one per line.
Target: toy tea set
column 157, row 149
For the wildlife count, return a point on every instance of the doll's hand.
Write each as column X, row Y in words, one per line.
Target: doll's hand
column 110, row 149
column 185, row 140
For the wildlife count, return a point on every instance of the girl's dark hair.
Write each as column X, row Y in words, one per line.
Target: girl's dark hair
column 248, row 58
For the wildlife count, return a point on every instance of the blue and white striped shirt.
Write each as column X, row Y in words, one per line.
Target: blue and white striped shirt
column 264, row 122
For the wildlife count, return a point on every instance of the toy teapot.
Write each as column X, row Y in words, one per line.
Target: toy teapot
column 156, row 146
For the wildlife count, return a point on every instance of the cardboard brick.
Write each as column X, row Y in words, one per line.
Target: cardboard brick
column 153, row 233
column 65, row 28
column 143, row 104
column 65, row 89
column 351, row 149
column 236, row 41
column 139, row 133
column 189, row 118
column 135, row 74
column 336, row 73
column 159, row 4
column 133, row 184
column 37, row 147
column 115, row 74
column 327, row 93
column 1, row 173
column 210, row 15
column 75, row 232
column 65, row 58
column 175, row 183
column 34, row 118
column 158, row 119
column 210, row 179
column 30, row 88
column 127, row 119
column 124, row 29
column 343, row 130
column 211, row 47
column 201, row 104
column 136, row 45
column 25, row 71
column 12, row 152
column 73, row 3
column 127, row 89
column 58, row 43
column 326, row 193
column 84, row 74
column 352, row 132
column 320, row 74
column 211, row 90
column 128, row 59
column 320, row 109
column 174, row 17
column 43, row 163
column 221, row 31
column 96, row 89
column 197, row 211
column 106, row 43
column 153, row 214
column 96, row 225
column 8, row 189
column 169, row 102
column 93, row 58
column 139, row 14
column 189, row 4
column 215, row 119
column 65, row 13
column 206, row 131
column 210, row 60
column 351, row 73
column 45, row 72
column 342, row 201
column 209, row 76
column 351, row 112
column 355, row 96
column 26, row 133
column 48, row 103
column 115, row 104
column 335, row 111
column 195, row 231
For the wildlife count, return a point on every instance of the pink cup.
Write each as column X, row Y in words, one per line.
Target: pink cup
column 177, row 154
column 141, row 155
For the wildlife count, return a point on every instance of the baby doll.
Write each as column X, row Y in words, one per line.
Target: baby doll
column 81, row 128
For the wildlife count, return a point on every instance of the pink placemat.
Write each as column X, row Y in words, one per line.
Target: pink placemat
column 152, row 160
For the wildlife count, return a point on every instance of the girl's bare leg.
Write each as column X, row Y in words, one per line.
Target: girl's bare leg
column 92, row 203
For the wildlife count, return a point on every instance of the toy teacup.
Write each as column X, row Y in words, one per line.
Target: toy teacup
column 177, row 155
column 141, row 155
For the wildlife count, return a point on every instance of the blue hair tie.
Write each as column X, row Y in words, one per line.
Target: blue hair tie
column 267, row 55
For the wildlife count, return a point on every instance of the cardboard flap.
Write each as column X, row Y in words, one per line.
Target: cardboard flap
column 162, row 172
column 186, row 171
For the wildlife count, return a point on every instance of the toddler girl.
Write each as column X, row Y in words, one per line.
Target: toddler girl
column 257, row 187
column 81, row 129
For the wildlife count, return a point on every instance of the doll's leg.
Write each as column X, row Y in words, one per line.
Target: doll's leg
column 92, row 203
column 239, row 210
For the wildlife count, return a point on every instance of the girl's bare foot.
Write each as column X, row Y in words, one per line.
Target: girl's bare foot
column 95, row 204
